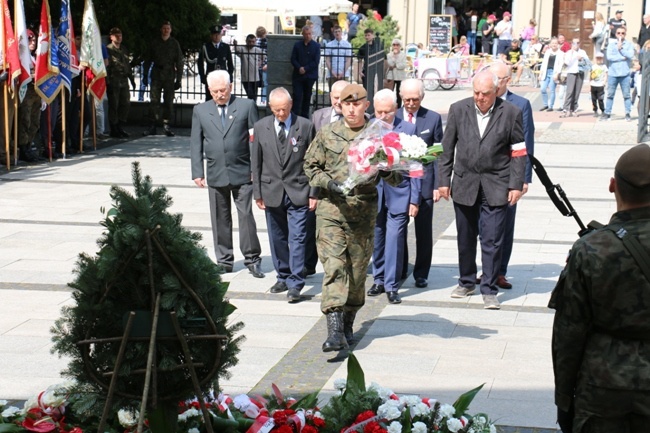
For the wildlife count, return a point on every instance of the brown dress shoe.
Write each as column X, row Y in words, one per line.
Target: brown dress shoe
column 503, row 283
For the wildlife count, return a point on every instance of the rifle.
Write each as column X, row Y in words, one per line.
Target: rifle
column 557, row 195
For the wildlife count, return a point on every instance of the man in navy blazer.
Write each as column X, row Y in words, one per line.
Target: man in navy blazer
column 504, row 73
column 220, row 155
column 428, row 126
column 484, row 147
column 305, row 58
column 395, row 204
column 281, row 189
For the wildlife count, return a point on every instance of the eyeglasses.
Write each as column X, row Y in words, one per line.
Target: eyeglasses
column 396, row 45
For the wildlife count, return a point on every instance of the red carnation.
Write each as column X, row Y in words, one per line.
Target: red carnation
column 284, row 429
column 392, row 140
column 280, row 417
column 373, row 427
column 309, row 429
column 319, row 422
column 364, row 416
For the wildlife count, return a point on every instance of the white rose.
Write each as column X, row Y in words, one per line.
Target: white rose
column 395, row 427
column 447, row 411
column 419, row 427
column 454, row 424
column 340, row 384
column 10, row 411
column 128, row 418
column 389, row 410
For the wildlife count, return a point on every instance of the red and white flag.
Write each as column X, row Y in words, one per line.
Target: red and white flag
column 91, row 52
column 10, row 59
column 26, row 62
column 46, row 75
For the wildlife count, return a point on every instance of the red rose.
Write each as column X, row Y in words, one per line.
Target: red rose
column 392, row 140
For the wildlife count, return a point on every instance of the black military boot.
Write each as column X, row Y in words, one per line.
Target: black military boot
column 122, row 132
column 335, row 338
column 168, row 131
column 150, row 131
column 115, row 132
column 348, row 322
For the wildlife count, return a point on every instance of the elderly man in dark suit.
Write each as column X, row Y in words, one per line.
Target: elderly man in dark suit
column 395, row 204
column 484, row 147
column 281, row 189
column 324, row 116
column 428, row 126
column 220, row 139
column 504, row 73
column 216, row 55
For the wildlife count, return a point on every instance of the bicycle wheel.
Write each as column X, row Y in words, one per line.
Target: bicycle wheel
column 431, row 79
column 448, row 83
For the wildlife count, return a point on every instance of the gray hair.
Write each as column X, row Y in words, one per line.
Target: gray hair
column 493, row 76
column 411, row 83
column 218, row 75
column 386, row 95
column 280, row 91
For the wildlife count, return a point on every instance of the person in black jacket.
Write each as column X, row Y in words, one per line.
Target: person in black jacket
column 216, row 55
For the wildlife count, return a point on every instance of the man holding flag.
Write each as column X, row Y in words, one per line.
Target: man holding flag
column 30, row 111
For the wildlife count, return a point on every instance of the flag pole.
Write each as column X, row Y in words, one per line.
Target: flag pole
column 81, row 114
column 63, row 135
column 16, row 99
column 6, row 124
column 49, row 132
column 94, row 120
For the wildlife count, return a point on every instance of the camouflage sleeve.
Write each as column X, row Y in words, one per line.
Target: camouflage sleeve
column 315, row 160
column 573, row 321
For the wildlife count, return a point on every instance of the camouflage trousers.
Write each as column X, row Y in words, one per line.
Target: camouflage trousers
column 344, row 248
column 158, row 88
column 601, row 410
column 29, row 119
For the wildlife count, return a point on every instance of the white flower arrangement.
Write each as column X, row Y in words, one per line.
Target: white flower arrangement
column 128, row 418
column 413, row 147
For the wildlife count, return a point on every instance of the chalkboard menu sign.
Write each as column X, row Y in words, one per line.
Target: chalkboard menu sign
column 440, row 33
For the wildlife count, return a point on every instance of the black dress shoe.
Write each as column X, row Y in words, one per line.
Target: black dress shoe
column 421, row 282
column 226, row 269
column 376, row 290
column 255, row 270
column 307, row 272
column 279, row 287
column 293, row 295
column 393, row 297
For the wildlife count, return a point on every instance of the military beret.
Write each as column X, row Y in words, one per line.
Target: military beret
column 115, row 31
column 215, row 29
column 633, row 166
column 353, row 92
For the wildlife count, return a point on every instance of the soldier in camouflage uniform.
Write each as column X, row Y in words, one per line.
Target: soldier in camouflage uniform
column 167, row 58
column 601, row 332
column 344, row 222
column 119, row 74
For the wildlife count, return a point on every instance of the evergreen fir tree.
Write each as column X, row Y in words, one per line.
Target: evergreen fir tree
column 125, row 275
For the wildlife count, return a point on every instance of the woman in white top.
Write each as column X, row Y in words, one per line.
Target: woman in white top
column 598, row 35
column 577, row 63
column 396, row 62
column 549, row 73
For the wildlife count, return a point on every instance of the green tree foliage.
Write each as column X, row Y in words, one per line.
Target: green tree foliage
column 124, row 277
column 386, row 29
column 140, row 20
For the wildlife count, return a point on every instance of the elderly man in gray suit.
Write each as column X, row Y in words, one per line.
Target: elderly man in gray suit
column 484, row 147
column 221, row 140
column 281, row 189
column 331, row 114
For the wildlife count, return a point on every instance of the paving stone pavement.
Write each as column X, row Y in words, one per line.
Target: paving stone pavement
column 430, row 344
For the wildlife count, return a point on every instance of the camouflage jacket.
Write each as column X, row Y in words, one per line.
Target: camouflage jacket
column 327, row 159
column 119, row 67
column 167, row 59
column 601, row 332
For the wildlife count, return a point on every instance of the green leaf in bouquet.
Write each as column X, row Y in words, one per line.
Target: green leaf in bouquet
column 10, row 428
column 356, row 378
column 433, row 152
column 462, row 403
column 307, row 402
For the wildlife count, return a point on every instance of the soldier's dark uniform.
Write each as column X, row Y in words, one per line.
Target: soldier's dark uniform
column 344, row 226
column 119, row 74
column 216, row 56
column 167, row 59
column 601, row 332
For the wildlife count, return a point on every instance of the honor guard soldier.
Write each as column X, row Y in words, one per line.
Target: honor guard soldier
column 119, row 74
column 216, row 55
column 167, row 58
